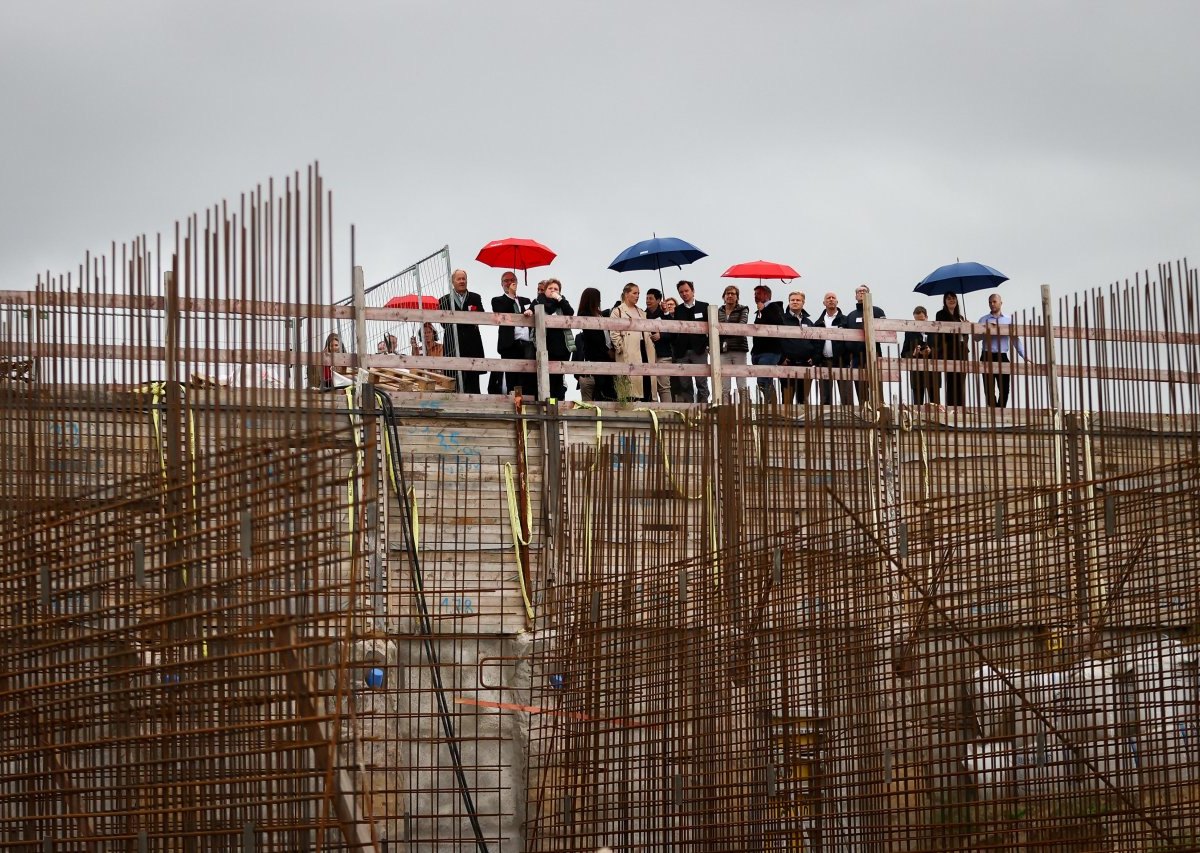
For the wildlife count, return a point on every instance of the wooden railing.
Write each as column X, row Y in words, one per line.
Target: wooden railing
column 1039, row 337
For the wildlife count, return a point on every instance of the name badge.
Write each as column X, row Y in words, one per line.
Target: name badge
column 699, row 315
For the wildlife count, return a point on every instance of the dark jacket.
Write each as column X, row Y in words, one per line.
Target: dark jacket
column 949, row 345
column 664, row 345
column 556, row 339
column 595, row 346
column 770, row 315
column 739, row 314
column 854, row 320
column 470, row 342
column 913, row 341
column 799, row 350
column 682, row 344
column 506, row 341
column 839, row 320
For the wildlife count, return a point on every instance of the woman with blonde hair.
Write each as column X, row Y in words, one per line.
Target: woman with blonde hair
column 632, row 347
column 320, row 376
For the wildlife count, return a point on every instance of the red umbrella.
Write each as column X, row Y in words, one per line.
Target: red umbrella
column 515, row 253
column 411, row 300
column 761, row 269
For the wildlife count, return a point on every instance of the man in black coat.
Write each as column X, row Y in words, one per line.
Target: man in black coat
column 690, row 348
column 829, row 353
column 854, row 352
column 766, row 351
column 515, row 341
column 663, row 348
column 462, row 340
column 919, row 346
column 798, row 352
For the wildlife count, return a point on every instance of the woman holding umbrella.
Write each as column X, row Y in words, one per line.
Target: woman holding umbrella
column 557, row 347
column 952, row 346
column 950, row 281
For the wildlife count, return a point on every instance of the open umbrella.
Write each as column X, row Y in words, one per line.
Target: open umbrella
column 409, row 331
column 656, row 253
column 516, row 253
column 962, row 277
column 412, row 300
column 761, row 270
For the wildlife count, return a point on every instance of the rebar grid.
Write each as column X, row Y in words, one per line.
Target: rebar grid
column 172, row 677
column 241, row 614
column 877, row 655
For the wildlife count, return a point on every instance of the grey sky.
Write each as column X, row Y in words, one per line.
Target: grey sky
column 859, row 142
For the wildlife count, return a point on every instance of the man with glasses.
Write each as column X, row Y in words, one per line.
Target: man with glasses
column 515, row 342
column 856, row 351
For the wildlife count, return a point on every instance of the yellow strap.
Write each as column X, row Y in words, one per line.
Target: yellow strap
column 514, row 513
column 587, row 504
column 906, row 425
column 514, row 519
column 666, row 459
column 156, row 390
column 192, row 451
column 707, row 493
column 414, row 519
column 359, row 461
column 599, row 432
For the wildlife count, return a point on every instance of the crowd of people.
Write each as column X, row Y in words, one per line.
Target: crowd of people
column 928, row 384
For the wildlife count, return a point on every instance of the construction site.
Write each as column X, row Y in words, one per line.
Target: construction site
column 241, row 614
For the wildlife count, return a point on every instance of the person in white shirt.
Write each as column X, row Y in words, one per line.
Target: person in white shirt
column 926, row 384
column 515, row 342
column 830, row 355
column 690, row 348
column 994, row 349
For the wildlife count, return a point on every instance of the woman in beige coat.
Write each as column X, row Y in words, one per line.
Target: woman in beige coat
column 633, row 347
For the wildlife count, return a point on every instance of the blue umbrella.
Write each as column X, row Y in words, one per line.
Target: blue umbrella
column 656, row 253
column 963, row 277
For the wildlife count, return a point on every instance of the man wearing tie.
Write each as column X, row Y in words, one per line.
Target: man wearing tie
column 514, row 342
column 917, row 345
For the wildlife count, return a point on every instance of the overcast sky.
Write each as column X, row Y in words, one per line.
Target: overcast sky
column 857, row 141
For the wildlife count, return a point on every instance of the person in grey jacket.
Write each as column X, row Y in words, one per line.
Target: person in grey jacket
column 733, row 347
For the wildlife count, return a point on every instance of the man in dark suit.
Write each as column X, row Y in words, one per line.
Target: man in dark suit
column 462, row 340
column 690, row 348
column 830, row 353
column 768, row 351
column 514, row 341
column 919, row 346
column 854, row 353
column 799, row 352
